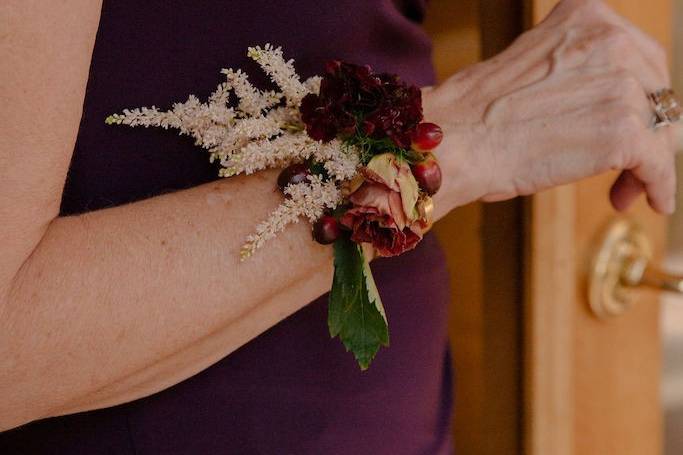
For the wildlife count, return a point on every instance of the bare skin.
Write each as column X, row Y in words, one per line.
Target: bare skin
column 566, row 101
column 103, row 308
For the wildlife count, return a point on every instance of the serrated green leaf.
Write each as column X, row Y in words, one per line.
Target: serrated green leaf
column 373, row 293
column 355, row 311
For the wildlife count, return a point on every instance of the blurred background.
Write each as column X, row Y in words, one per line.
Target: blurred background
column 672, row 304
column 488, row 265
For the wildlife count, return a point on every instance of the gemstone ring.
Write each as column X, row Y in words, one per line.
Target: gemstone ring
column 667, row 108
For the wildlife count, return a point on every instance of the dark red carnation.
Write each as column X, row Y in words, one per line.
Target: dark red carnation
column 353, row 98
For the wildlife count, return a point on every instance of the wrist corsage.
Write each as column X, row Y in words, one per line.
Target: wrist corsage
column 356, row 163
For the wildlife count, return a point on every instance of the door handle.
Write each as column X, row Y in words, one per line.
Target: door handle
column 621, row 263
column 638, row 272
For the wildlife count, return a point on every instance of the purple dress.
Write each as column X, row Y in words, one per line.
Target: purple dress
column 292, row 390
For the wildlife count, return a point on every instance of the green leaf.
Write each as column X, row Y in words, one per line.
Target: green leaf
column 411, row 156
column 355, row 311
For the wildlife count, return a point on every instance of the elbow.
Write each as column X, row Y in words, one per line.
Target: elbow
column 4, row 305
column 9, row 414
column 10, row 421
column 13, row 414
column 20, row 399
column 20, row 403
column 16, row 408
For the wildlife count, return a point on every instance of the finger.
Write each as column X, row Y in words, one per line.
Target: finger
column 625, row 190
column 656, row 171
column 642, row 151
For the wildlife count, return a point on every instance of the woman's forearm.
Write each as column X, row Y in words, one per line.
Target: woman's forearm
column 206, row 351
column 120, row 303
column 123, row 302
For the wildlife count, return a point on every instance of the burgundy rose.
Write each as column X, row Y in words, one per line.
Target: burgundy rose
column 384, row 209
column 353, row 98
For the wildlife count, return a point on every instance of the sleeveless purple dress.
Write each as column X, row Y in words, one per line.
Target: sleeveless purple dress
column 292, row 390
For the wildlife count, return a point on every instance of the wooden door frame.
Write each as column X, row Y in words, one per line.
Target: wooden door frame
column 484, row 249
column 550, row 297
column 557, row 265
column 515, row 267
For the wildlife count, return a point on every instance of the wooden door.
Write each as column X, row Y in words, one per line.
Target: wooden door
column 591, row 386
column 484, row 249
column 536, row 371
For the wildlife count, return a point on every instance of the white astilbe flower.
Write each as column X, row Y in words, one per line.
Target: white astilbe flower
column 312, row 84
column 265, row 154
column 263, row 130
column 221, row 95
column 244, row 131
column 339, row 161
column 304, row 199
column 288, row 117
column 252, row 101
column 205, row 122
column 280, row 71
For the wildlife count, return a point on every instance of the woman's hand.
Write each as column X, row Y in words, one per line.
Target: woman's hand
column 566, row 101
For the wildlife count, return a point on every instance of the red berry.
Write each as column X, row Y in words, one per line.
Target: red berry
column 428, row 174
column 296, row 173
column 326, row 230
column 426, row 136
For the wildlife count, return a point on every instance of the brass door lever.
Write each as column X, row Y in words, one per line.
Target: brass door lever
column 621, row 263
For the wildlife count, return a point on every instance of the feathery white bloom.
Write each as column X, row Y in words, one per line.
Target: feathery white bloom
column 260, row 133
column 252, row 101
column 312, row 84
column 221, row 95
column 245, row 130
column 339, row 161
column 278, row 152
column 288, row 117
column 305, row 199
column 280, row 71
column 204, row 122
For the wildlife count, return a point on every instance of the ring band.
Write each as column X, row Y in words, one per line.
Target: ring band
column 666, row 106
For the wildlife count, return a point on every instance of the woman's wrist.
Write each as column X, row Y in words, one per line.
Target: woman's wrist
column 463, row 150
